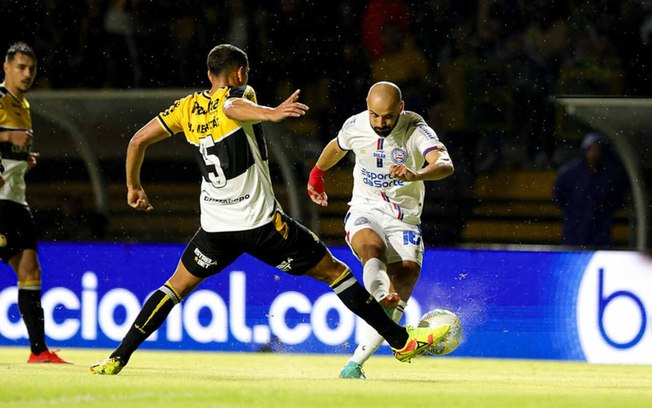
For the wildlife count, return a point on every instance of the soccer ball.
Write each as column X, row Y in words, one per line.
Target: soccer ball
column 437, row 317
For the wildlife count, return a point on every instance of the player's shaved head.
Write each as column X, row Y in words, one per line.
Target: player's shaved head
column 384, row 95
column 385, row 104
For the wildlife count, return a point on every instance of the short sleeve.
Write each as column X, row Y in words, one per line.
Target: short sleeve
column 426, row 139
column 3, row 110
column 344, row 135
column 172, row 117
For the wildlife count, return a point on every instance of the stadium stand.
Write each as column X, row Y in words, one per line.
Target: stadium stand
column 483, row 85
column 515, row 207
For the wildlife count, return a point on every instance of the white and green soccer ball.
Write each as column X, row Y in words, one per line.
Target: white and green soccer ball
column 438, row 317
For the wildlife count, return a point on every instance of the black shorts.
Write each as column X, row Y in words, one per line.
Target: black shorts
column 17, row 229
column 282, row 243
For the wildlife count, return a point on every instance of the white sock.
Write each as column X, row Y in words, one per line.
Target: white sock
column 371, row 340
column 375, row 278
column 398, row 312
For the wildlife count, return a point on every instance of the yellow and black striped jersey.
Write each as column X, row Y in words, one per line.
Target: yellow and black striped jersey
column 236, row 186
column 14, row 115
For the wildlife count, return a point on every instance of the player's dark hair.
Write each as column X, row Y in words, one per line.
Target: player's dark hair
column 19, row 47
column 226, row 56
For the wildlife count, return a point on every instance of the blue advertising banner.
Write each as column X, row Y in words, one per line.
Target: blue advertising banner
column 512, row 304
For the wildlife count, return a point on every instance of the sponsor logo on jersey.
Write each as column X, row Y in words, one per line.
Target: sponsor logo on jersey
column 172, row 108
column 226, row 201
column 21, row 149
column 361, row 221
column 427, row 130
column 197, row 109
column 379, row 154
column 399, row 156
column 350, row 122
column 286, row 265
column 380, row 180
column 202, row 260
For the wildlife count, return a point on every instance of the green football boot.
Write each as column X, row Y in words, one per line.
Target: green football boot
column 420, row 339
column 109, row 366
column 352, row 370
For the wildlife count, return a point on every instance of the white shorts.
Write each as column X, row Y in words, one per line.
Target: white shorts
column 403, row 241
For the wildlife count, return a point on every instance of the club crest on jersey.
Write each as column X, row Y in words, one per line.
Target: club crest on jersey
column 399, row 156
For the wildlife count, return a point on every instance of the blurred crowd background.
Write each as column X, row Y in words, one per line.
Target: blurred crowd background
column 482, row 72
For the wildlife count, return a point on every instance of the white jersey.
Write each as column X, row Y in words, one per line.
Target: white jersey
column 410, row 141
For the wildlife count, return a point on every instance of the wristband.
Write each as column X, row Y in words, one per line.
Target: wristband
column 316, row 179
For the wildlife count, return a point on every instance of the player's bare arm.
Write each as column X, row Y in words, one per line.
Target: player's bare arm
column 439, row 167
column 329, row 157
column 149, row 134
column 18, row 138
column 244, row 110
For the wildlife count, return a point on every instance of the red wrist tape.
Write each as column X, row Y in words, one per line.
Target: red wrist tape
column 316, row 179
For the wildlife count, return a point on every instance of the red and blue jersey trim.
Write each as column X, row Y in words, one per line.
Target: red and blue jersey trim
column 399, row 212
column 428, row 150
column 379, row 146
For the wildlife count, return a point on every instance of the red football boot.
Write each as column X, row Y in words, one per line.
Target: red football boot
column 47, row 357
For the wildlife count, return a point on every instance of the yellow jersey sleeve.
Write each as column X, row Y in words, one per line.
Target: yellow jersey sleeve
column 200, row 114
column 173, row 118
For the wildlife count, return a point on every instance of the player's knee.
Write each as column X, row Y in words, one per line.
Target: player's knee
column 368, row 251
column 407, row 277
column 412, row 277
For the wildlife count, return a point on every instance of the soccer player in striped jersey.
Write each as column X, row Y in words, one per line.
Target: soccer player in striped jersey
column 239, row 213
column 17, row 228
column 391, row 146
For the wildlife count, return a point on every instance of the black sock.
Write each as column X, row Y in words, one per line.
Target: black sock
column 29, row 304
column 154, row 312
column 355, row 297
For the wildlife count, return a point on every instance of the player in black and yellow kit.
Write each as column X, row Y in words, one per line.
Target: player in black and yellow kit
column 238, row 210
column 17, row 229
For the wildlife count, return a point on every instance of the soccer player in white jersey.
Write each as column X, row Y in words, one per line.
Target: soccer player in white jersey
column 239, row 213
column 391, row 146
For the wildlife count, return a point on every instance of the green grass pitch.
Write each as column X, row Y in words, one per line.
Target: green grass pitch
column 215, row 379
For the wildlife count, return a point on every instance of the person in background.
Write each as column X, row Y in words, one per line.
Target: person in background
column 18, row 237
column 589, row 190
